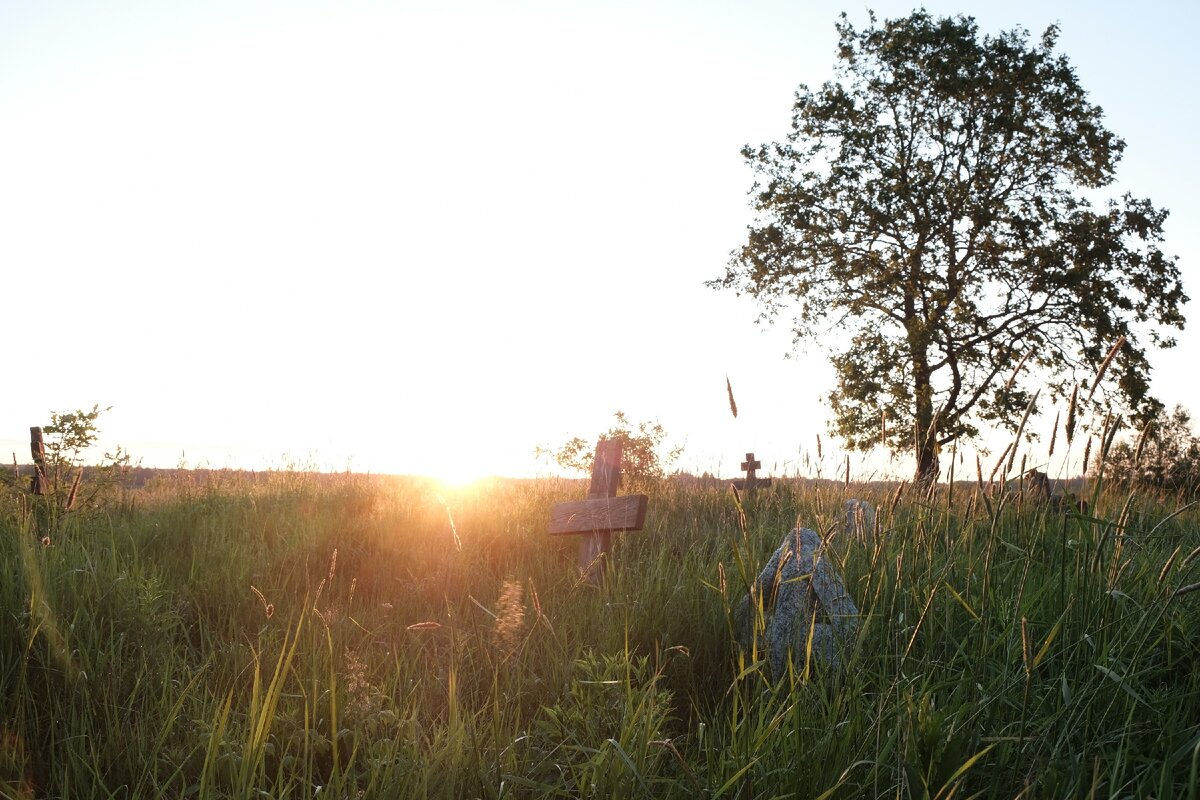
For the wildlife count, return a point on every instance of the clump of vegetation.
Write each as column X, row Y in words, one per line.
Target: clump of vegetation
column 60, row 482
column 645, row 456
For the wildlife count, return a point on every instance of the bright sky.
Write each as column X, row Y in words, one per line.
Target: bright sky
column 425, row 237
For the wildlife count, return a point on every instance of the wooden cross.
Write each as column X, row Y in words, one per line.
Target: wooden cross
column 602, row 513
column 37, row 447
column 751, row 481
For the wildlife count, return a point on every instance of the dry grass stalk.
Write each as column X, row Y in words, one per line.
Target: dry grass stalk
column 74, row 493
column 732, row 402
column 537, row 603
column 1017, row 370
column 1069, row 428
column 1106, row 441
column 895, row 499
column 1141, row 443
column 453, row 527
column 1112, row 353
column 669, row 746
column 1053, row 435
column 950, row 477
column 1103, row 433
column 268, row 608
column 1167, row 567
column 1182, row 590
column 510, row 618
column 1026, row 647
column 329, row 612
column 987, row 504
column 1021, row 429
column 741, row 511
column 999, row 463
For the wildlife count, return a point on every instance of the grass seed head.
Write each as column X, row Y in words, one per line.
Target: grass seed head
column 1053, row 434
column 1069, row 427
column 1141, row 443
column 510, row 618
column 429, row 625
column 1112, row 353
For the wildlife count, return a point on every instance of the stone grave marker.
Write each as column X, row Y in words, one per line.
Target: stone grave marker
column 802, row 596
column 860, row 520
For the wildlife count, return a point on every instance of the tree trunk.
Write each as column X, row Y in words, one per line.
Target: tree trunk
column 924, row 435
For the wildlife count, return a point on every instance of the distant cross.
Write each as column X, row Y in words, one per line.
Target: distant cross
column 603, row 512
column 751, row 481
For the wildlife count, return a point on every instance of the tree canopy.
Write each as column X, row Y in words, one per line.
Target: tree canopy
column 644, row 454
column 1165, row 455
column 933, row 212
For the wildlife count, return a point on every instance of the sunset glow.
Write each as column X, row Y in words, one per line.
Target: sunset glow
column 427, row 238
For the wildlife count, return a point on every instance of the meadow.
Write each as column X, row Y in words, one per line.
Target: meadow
column 350, row 636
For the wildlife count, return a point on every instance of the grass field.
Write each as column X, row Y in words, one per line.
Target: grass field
column 359, row 637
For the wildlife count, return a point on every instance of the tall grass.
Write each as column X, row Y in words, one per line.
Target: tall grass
column 371, row 637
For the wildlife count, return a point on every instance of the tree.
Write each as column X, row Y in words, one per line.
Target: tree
column 932, row 203
column 1166, row 455
column 643, row 456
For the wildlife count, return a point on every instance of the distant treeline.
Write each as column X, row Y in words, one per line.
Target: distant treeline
column 138, row 477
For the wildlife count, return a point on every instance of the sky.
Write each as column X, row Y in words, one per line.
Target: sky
column 429, row 237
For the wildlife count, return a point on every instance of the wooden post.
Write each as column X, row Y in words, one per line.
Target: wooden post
column 603, row 512
column 38, row 449
column 751, row 481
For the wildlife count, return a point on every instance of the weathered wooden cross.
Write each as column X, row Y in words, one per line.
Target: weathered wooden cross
column 751, row 481
column 37, row 447
column 602, row 513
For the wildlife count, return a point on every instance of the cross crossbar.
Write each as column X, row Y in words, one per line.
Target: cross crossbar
column 596, row 516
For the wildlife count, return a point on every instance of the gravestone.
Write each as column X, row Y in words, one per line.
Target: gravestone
column 1039, row 489
column 860, row 520
column 596, row 518
column 802, row 596
column 751, row 482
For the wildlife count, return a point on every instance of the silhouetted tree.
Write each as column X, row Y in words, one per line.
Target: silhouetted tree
column 1165, row 456
column 644, row 455
column 932, row 204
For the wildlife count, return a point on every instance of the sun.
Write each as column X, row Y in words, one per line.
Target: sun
column 458, row 478
column 459, row 471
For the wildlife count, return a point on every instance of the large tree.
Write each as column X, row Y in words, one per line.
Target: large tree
column 931, row 215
